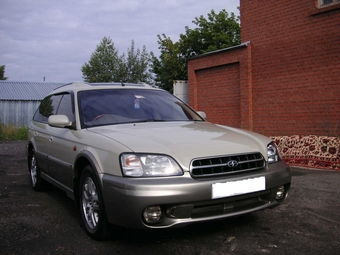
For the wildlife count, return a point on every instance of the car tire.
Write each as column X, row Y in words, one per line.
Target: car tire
column 38, row 184
column 91, row 206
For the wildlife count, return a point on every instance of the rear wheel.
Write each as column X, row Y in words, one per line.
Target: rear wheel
column 92, row 208
column 38, row 184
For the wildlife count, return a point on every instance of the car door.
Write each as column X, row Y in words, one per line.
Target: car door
column 41, row 133
column 62, row 145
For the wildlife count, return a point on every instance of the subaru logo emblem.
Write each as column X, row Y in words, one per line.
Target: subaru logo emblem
column 232, row 163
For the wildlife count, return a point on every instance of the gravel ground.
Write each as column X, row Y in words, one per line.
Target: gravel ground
column 48, row 222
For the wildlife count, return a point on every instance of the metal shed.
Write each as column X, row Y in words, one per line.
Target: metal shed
column 19, row 100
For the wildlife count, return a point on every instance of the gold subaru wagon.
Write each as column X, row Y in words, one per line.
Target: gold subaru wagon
column 137, row 156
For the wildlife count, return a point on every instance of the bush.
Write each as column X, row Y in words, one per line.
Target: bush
column 12, row 133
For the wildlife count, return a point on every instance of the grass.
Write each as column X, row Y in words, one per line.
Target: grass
column 12, row 133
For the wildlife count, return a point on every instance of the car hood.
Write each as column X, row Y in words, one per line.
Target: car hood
column 185, row 140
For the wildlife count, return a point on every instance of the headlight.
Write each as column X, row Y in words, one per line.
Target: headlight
column 273, row 153
column 146, row 165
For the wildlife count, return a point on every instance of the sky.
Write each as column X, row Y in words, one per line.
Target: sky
column 51, row 39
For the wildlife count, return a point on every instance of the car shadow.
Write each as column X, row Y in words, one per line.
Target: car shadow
column 150, row 236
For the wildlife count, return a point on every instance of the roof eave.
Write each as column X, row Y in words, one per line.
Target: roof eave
column 242, row 45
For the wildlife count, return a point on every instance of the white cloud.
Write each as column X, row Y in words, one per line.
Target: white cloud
column 55, row 38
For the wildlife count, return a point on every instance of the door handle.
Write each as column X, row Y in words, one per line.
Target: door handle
column 50, row 138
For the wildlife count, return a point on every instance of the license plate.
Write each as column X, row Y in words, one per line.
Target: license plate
column 234, row 188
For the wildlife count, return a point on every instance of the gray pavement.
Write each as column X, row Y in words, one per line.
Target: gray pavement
column 48, row 222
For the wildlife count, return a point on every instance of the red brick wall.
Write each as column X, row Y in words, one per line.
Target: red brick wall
column 214, row 87
column 289, row 75
column 223, row 81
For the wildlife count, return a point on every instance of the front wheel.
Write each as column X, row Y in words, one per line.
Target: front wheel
column 92, row 208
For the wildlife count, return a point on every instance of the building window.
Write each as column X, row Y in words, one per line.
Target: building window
column 328, row 2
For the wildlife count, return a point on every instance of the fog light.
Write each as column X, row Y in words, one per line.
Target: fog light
column 152, row 214
column 281, row 192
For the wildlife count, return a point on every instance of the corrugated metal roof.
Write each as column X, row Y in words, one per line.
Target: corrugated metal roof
column 26, row 91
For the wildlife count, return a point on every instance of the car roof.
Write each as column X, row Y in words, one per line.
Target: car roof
column 81, row 86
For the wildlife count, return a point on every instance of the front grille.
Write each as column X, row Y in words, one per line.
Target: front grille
column 214, row 166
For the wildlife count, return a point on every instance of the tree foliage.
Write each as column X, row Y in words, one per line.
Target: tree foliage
column 217, row 31
column 2, row 73
column 136, row 65
column 106, row 65
column 170, row 65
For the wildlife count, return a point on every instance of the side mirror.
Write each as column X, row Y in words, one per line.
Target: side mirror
column 202, row 114
column 59, row 121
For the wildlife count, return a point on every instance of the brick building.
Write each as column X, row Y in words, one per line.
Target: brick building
column 283, row 79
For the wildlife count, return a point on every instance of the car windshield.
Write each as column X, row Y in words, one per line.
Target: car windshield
column 119, row 106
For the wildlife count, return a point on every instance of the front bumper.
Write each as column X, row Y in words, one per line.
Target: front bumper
column 185, row 200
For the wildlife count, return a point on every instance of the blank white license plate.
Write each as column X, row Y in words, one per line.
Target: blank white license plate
column 228, row 189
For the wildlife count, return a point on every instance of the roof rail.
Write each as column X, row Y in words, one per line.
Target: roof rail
column 118, row 84
column 122, row 84
column 63, row 85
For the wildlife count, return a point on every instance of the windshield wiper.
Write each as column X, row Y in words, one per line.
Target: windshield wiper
column 150, row 120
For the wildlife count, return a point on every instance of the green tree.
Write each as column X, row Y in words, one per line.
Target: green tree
column 105, row 64
column 2, row 73
column 218, row 31
column 136, row 65
column 170, row 65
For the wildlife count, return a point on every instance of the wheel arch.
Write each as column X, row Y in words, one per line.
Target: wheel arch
column 83, row 159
